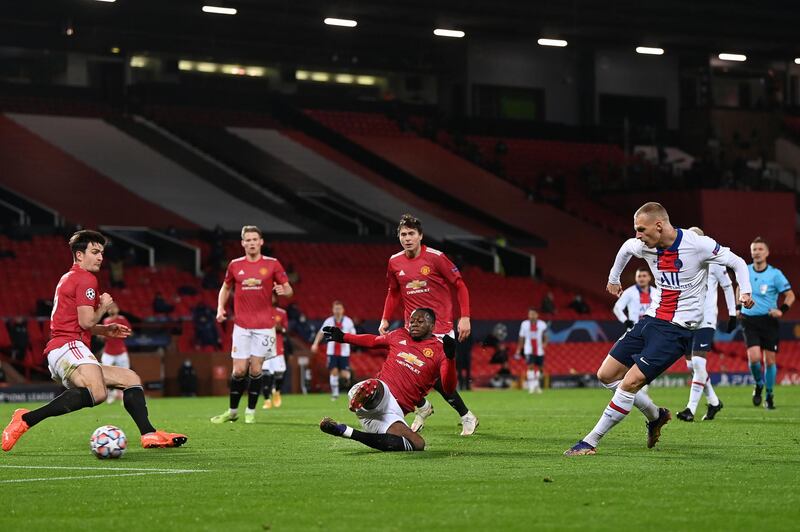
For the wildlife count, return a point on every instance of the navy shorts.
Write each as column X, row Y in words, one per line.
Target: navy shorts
column 338, row 362
column 653, row 345
column 535, row 360
column 702, row 340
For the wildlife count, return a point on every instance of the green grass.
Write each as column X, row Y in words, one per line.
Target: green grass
column 738, row 472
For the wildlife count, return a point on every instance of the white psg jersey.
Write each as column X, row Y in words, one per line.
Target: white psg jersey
column 347, row 327
column 681, row 275
column 718, row 277
column 635, row 301
column 534, row 337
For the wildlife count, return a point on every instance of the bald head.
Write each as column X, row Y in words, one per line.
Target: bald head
column 653, row 210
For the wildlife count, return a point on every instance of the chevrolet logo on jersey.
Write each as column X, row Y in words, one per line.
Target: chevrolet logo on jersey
column 251, row 283
column 416, row 285
column 411, row 359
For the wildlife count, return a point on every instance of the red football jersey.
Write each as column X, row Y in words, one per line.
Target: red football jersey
column 411, row 368
column 252, row 298
column 77, row 288
column 281, row 320
column 115, row 346
column 425, row 281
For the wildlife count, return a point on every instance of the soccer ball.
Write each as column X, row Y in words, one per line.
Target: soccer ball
column 108, row 442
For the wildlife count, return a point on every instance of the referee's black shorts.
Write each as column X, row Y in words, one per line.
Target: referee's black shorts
column 761, row 331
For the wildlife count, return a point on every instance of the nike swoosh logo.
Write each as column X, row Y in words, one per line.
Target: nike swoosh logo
column 703, row 345
column 645, row 361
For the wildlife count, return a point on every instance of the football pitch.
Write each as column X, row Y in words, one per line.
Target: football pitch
column 738, row 472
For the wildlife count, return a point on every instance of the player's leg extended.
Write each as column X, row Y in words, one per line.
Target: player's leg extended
column 538, row 367
column 254, row 388
column 754, row 357
column 133, row 398
column 86, row 390
column 237, row 387
column 469, row 422
column 770, row 374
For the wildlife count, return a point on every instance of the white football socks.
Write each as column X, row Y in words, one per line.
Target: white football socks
column 617, row 410
column 699, row 378
column 642, row 401
column 334, row 380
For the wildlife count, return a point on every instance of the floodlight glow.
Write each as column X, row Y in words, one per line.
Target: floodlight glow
column 343, row 22
column 552, row 42
column 797, row 60
column 366, row 80
column 733, row 57
column 206, row 67
column 320, row 76
column 440, row 32
column 649, row 51
column 344, row 78
column 107, row 1
column 217, row 10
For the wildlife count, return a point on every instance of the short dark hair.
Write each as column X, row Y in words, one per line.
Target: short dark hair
column 251, row 229
column 411, row 222
column 760, row 240
column 532, row 309
column 427, row 311
column 337, row 302
column 80, row 240
column 645, row 270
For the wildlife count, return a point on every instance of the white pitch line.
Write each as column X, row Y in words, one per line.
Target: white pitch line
column 95, row 468
column 92, row 476
column 140, row 471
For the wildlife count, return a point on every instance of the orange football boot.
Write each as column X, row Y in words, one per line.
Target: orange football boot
column 159, row 438
column 15, row 429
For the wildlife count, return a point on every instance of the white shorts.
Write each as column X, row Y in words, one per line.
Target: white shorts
column 65, row 359
column 253, row 343
column 120, row 361
column 275, row 365
column 379, row 419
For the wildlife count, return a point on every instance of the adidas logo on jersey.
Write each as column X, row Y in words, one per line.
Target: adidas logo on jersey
column 401, row 273
column 241, row 272
column 402, row 342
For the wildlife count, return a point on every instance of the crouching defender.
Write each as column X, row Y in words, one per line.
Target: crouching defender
column 416, row 360
column 78, row 307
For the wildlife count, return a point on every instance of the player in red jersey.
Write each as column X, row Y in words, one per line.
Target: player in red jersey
column 256, row 278
column 274, row 368
column 77, row 310
column 417, row 360
column 420, row 276
column 115, row 352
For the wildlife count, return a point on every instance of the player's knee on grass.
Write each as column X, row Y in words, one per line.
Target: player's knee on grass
column 403, row 430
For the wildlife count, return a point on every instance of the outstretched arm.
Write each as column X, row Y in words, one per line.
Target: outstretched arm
column 631, row 248
column 362, row 340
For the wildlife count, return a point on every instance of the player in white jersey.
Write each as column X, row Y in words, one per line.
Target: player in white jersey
column 338, row 353
column 635, row 300
column 703, row 340
column 532, row 341
column 679, row 261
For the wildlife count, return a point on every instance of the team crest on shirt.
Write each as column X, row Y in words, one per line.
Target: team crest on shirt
column 428, row 352
column 263, row 271
column 411, row 359
column 678, row 263
column 425, row 270
column 90, row 294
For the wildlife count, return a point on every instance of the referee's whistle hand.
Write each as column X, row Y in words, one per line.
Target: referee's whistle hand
column 746, row 301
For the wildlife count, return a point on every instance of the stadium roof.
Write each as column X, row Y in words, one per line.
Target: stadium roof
column 395, row 33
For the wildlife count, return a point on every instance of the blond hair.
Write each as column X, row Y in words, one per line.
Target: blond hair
column 251, row 229
column 654, row 210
